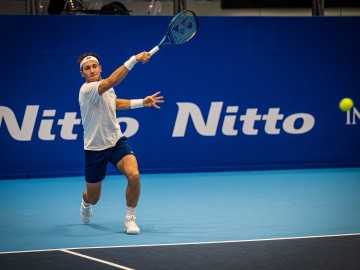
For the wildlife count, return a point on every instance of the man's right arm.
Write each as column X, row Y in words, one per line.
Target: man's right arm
column 115, row 78
column 118, row 75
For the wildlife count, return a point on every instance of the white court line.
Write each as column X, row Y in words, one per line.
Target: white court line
column 195, row 243
column 226, row 242
column 96, row 260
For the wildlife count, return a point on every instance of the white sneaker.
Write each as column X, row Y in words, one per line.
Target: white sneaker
column 130, row 226
column 85, row 213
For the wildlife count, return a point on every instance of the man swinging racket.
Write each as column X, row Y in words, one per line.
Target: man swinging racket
column 103, row 139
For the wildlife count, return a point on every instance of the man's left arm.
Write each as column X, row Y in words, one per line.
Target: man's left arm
column 149, row 101
column 122, row 104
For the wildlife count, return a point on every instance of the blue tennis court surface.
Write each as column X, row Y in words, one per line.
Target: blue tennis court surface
column 42, row 214
column 182, row 208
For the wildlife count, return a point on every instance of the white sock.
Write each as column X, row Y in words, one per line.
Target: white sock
column 85, row 203
column 130, row 212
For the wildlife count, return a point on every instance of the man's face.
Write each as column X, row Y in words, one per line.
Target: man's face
column 91, row 71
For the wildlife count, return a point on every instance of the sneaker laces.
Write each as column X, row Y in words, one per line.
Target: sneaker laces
column 131, row 219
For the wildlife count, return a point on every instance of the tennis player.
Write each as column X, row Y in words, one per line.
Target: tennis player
column 103, row 139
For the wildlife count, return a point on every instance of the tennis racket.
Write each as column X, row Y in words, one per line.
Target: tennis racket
column 181, row 29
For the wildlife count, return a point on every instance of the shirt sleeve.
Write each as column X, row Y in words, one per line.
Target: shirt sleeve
column 90, row 92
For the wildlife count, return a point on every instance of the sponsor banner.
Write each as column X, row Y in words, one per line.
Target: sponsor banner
column 244, row 94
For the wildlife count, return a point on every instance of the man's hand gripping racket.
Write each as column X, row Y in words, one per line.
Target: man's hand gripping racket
column 181, row 29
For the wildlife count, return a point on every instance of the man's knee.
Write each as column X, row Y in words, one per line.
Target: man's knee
column 134, row 178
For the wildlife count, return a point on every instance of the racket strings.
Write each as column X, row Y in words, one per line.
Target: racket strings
column 183, row 28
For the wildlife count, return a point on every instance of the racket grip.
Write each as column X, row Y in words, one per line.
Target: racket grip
column 154, row 50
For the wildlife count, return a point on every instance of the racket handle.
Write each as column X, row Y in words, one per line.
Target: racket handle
column 154, row 50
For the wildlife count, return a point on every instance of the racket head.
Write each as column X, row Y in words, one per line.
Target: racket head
column 183, row 27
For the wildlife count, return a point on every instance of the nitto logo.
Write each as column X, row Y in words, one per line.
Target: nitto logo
column 273, row 122
column 24, row 132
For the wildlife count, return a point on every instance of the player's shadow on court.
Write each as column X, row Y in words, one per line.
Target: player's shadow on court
column 68, row 229
column 99, row 227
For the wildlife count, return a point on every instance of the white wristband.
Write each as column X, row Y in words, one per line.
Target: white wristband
column 129, row 64
column 136, row 103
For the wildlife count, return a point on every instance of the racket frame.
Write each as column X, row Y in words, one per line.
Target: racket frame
column 167, row 35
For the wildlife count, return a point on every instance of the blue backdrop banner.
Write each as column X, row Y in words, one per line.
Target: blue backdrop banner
column 245, row 93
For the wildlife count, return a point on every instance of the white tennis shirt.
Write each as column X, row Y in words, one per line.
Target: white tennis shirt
column 98, row 114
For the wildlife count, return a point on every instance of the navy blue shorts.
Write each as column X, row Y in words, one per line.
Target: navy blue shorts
column 96, row 161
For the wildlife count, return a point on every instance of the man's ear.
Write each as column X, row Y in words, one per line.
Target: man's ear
column 82, row 74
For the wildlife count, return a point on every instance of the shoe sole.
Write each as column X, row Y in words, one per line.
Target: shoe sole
column 131, row 233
